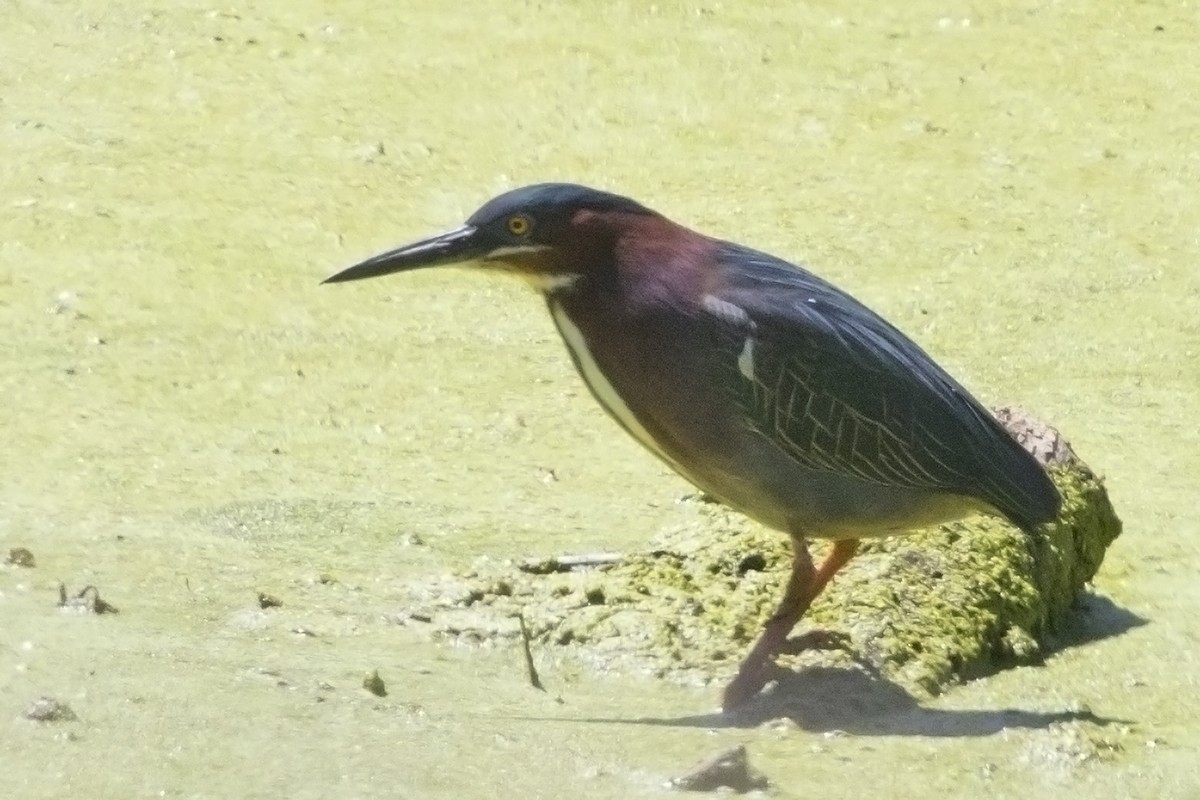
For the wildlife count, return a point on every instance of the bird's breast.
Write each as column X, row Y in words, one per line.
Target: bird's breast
column 601, row 386
column 652, row 375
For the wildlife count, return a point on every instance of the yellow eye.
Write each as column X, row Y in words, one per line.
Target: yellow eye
column 518, row 226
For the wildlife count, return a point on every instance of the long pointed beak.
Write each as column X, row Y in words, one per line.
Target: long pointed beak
column 451, row 247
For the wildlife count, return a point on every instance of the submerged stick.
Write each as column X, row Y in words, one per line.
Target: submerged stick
column 530, row 669
column 545, row 566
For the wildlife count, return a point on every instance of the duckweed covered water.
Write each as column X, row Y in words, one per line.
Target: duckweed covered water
column 190, row 420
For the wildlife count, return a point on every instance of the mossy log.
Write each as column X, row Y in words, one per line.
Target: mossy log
column 922, row 610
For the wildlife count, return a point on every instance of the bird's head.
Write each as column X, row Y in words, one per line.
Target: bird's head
column 549, row 233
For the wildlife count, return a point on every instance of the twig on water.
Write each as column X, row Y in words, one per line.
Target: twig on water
column 546, row 566
column 534, row 680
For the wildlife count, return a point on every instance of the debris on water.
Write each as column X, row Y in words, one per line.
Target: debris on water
column 411, row 615
column 66, row 303
column 374, row 684
column 728, row 769
column 87, row 600
column 21, row 557
column 568, row 563
column 274, row 676
column 268, row 600
column 48, row 709
column 1067, row 745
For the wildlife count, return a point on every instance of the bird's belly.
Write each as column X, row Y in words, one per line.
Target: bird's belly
column 761, row 481
column 695, row 430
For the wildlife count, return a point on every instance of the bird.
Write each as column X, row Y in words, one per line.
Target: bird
column 762, row 384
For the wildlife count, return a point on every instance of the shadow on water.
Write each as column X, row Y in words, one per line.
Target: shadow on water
column 861, row 702
column 1096, row 618
column 826, row 699
column 823, row 699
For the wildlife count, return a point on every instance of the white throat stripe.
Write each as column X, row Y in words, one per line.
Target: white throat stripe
column 514, row 250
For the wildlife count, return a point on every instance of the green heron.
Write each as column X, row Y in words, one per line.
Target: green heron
column 762, row 384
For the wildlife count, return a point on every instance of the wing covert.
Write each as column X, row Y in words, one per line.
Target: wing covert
column 841, row 390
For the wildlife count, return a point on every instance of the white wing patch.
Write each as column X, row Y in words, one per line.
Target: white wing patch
column 737, row 316
column 745, row 360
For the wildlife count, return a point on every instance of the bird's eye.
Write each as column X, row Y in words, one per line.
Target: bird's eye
column 518, row 226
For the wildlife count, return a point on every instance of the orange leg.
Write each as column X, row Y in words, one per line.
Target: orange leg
column 805, row 583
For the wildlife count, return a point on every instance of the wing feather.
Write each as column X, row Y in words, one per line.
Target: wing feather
column 841, row 390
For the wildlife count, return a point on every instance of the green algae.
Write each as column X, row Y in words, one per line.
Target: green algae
column 926, row 610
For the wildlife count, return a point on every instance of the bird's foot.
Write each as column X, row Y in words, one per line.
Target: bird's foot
column 756, row 672
column 746, row 685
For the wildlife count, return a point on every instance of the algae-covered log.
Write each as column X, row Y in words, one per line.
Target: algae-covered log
column 922, row 610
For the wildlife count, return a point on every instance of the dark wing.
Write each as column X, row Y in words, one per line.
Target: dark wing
column 842, row 390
